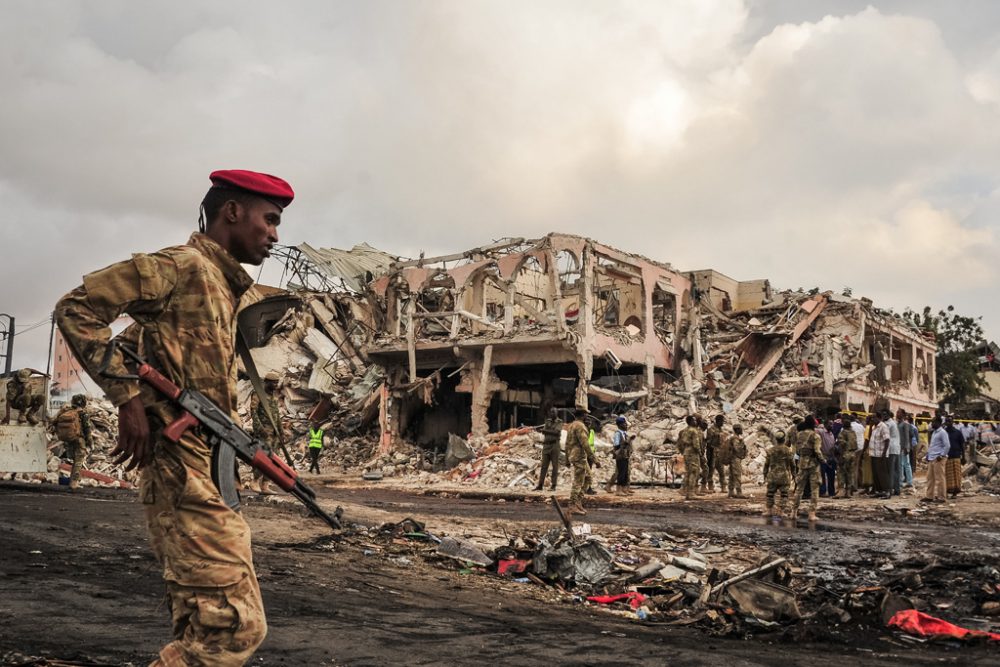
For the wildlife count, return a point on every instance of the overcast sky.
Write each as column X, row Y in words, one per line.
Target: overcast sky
column 825, row 144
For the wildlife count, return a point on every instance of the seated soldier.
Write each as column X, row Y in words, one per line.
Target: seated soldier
column 23, row 398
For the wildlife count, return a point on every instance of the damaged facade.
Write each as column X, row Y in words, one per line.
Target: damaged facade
column 829, row 351
column 489, row 339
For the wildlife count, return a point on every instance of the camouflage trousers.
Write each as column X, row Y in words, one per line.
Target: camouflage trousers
column 78, row 448
column 776, row 488
column 692, row 472
column 27, row 406
column 204, row 548
column 715, row 467
column 735, row 477
column 807, row 474
column 704, row 471
column 581, row 475
column 846, row 468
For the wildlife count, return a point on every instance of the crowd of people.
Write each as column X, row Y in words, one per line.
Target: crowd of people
column 838, row 457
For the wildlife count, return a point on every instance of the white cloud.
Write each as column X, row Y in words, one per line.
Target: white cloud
column 662, row 127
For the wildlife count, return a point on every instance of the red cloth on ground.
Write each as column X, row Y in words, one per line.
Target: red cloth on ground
column 923, row 625
column 635, row 598
column 512, row 566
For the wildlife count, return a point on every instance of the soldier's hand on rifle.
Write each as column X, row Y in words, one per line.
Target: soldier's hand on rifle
column 133, row 435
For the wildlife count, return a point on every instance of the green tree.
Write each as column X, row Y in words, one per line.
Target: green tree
column 957, row 363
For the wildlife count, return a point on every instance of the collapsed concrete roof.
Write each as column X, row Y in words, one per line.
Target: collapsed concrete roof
column 356, row 267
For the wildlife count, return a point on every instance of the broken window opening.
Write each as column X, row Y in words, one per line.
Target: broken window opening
column 664, row 314
column 878, row 348
column 396, row 298
column 618, row 294
column 568, row 268
column 437, row 296
column 902, row 362
column 606, row 310
column 492, row 299
column 923, row 376
column 531, row 285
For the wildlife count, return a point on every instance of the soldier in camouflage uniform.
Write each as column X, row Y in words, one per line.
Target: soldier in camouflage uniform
column 714, row 438
column 690, row 445
column 735, row 452
column 22, row 398
column 810, row 454
column 184, row 301
column 580, row 459
column 847, row 444
column 551, row 450
column 73, row 429
column 792, row 434
column 778, row 469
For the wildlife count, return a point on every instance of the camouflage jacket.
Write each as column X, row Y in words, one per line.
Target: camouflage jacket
column 577, row 445
column 809, row 449
column 791, row 437
column 689, row 442
column 184, row 301
column 713, row 437
column 847, row 441
column 737, row 447
column 18, row 390
column 779, row 464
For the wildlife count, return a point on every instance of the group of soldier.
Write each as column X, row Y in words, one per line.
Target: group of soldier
column 709, row 451
column 580, row 454
column 791, row 466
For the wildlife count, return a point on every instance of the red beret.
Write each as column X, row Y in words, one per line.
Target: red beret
column 265, row 186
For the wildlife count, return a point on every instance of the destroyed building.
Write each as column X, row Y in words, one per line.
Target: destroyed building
column 491, row 338
column 488, row 339
column 832, row 352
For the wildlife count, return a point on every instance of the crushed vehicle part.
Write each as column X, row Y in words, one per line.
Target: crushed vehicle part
column 463, row 551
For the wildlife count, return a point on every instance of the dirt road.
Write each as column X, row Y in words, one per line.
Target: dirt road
column 77, row 582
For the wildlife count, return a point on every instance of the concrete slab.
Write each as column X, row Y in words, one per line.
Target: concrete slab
column 23, row 448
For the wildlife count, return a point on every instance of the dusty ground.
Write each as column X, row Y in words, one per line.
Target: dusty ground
column 77, row 582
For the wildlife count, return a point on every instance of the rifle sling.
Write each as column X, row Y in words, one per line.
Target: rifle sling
column 258, row 387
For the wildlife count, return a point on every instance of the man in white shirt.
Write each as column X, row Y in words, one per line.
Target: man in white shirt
column 894, row 451
column 859, row 431
column 859, row 434
column 879, row 452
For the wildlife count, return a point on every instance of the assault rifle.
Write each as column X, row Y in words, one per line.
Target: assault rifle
column 227, row 439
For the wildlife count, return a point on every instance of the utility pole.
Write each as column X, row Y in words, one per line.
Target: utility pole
column 52, row 337
column 6, row 334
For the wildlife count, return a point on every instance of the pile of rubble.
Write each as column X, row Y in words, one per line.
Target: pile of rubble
column 797, row 344
column 720, row 585
column 511, row 459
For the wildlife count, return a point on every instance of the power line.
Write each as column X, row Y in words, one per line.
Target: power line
column 32, row 327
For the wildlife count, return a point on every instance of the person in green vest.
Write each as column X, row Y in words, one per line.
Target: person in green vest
column 315, row 446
